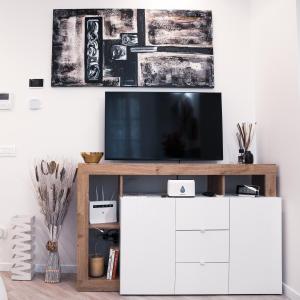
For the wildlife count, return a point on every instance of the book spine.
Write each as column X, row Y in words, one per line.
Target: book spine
column 115, row 267
column 112, row 263
column 109, row 264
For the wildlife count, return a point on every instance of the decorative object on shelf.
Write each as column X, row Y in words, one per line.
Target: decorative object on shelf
column 245, row 136
column 132, row 47
column 53, row 181
column 21, row 244
column 96, row 261
column 96, row 266
column 91, row 157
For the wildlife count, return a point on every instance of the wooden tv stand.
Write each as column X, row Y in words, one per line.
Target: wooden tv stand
column 262, row 174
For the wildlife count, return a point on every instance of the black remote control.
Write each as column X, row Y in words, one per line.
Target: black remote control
column 209, row 194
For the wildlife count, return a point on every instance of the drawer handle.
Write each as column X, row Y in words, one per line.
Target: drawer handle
column 202, row 230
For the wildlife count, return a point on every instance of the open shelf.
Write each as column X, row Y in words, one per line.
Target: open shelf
column 105, row 226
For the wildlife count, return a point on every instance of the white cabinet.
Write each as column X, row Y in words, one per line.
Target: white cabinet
column 147, row 245
column 200, row 245
column 255, row 245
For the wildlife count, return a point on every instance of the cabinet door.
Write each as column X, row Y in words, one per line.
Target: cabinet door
column 255, row 245
column 147, row 245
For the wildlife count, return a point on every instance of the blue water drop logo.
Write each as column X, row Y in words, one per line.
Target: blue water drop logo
column 182, row 190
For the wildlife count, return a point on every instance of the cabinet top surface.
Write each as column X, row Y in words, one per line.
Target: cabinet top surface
column 176, row 169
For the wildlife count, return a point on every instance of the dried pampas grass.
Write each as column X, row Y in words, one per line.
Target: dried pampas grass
column 53, row 180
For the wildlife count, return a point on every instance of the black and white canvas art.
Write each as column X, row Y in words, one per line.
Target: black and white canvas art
column 132, row 47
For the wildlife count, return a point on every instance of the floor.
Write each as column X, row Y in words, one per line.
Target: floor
column 37, row 289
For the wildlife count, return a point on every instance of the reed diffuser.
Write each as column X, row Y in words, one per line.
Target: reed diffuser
column 245, row 136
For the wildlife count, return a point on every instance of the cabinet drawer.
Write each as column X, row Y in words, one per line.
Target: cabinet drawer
column 202, row 213
column 196, row 278
column 202, row 246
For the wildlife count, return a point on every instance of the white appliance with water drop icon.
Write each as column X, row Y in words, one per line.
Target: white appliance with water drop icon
column 181, row 188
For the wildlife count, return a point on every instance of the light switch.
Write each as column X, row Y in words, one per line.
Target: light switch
column 7, row 150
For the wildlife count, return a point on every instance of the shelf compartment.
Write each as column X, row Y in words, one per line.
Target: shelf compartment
column 267, row 183
column 216, row 184
column 231, row 182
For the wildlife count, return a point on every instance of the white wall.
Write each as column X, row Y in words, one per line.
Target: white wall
column 275, row 65
column 72, row 118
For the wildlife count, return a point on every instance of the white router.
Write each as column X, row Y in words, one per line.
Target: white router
column 104, row 211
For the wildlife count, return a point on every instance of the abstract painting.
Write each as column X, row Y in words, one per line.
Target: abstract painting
column 132, row 48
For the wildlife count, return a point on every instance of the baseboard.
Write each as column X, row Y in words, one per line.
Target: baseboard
column 5, row 267
column 39, row 268
column 64, row 268
column 290, row 293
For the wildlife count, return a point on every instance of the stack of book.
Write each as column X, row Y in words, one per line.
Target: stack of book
column 113, row 260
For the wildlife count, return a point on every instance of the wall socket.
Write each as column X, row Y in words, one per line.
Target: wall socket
column 7, row 150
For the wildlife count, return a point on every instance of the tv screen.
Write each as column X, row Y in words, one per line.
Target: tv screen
column 163, row 126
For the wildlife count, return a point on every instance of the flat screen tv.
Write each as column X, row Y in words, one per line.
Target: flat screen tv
column 163, row 126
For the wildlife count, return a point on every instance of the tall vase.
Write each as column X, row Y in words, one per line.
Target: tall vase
column 53, row 270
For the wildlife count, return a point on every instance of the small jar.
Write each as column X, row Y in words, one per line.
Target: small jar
column 96, row 266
